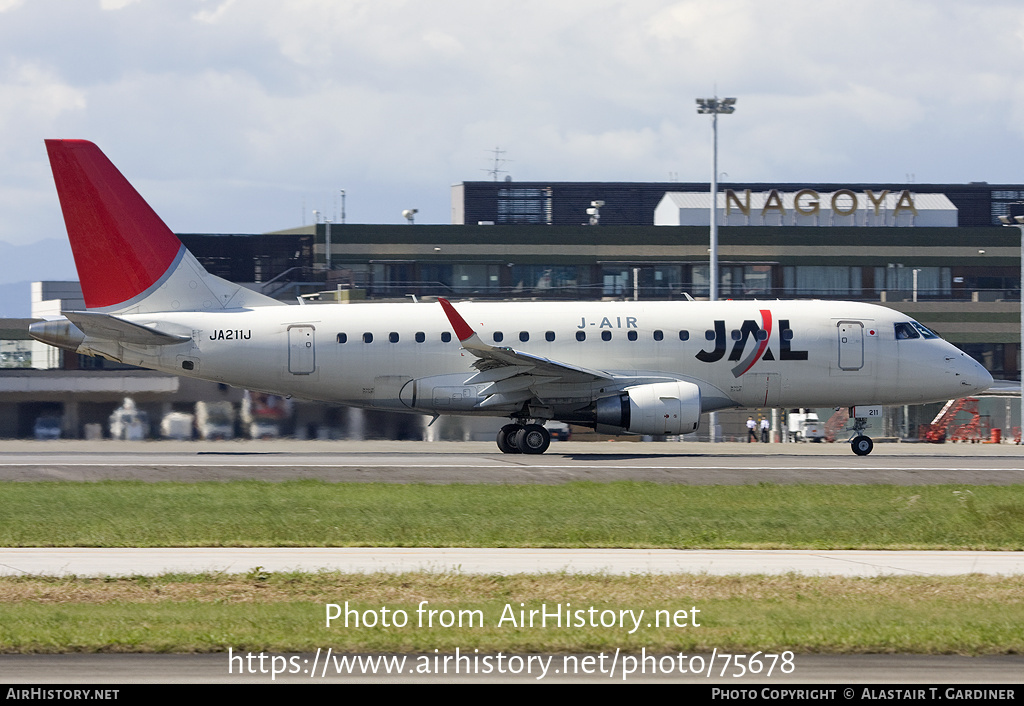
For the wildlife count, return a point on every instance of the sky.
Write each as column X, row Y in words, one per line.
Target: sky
column 238, row 116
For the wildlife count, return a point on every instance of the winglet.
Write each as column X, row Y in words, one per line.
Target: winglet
column 459, row 325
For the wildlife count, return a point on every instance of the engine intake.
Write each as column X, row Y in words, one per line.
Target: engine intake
column 657, row 408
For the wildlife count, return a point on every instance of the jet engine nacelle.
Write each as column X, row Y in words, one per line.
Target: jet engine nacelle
column 657, row 408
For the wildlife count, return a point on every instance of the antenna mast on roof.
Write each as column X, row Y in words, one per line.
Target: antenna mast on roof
column 497, row 170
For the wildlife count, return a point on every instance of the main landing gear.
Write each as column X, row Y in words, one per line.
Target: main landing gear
column 523, row 439
column 861, row 444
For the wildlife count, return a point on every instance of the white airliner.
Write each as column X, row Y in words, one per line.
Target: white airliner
column 619, row 367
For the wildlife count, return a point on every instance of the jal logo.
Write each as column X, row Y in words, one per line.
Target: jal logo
column 759, row 334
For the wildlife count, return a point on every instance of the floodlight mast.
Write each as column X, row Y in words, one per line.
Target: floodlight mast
column 714, row 107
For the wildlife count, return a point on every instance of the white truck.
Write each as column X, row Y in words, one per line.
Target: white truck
column 215, row 420
column 129, row 423
column 177, row 425
column 264, row 414
column 804, row 425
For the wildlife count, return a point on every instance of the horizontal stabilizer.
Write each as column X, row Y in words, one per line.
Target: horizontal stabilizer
column 113, row 328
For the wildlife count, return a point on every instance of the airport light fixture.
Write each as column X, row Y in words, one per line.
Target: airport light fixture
column 1018, row 222
column 714, row 107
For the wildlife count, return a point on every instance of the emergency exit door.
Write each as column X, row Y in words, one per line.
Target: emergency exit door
column 301, row 350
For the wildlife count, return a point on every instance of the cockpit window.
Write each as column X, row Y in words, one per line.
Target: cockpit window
column 925, row 331
column 905, row 331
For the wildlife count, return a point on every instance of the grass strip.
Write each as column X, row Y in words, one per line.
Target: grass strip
column 618, row 514
column 285, row 612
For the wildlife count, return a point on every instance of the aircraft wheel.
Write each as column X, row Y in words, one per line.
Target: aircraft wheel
column 506, row 438
column 533, row 439
column 862, row 445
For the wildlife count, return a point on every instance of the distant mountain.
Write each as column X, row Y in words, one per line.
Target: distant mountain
column 15, row 300
column 48, row 259
column 22, row 264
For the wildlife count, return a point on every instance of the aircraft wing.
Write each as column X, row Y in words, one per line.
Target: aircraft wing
column 114, row 328
column 502, row 362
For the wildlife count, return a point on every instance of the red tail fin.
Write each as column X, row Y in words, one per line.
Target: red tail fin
column 121, row 246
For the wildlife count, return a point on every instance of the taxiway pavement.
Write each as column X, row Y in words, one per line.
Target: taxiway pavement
column 479, row 462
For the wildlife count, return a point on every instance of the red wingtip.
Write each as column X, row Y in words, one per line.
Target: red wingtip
column 459, row 325
column 121, row 246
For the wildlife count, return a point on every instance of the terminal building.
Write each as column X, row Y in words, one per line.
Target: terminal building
column 934, row 251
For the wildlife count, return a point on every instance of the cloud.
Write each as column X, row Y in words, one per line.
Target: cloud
column 110, row 5
column 231, row 113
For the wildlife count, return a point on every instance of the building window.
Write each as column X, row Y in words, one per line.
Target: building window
column 814, row 280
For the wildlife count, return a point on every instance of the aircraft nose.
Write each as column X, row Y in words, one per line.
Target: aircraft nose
column 972, row 374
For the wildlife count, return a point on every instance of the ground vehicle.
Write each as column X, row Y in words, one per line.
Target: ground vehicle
column 215, row 420
column 804, row 425
column 47, row 427
column 129, row 423
column 177, row 425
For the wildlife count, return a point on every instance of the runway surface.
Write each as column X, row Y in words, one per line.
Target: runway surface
column 151, row 562
column 479, row 462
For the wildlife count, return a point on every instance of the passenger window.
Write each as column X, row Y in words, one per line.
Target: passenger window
column 659, row 335
column 736, row 335
column 631, row 335
column 684, row 335
column 498, row 336
column 709, row 335
column 524, row 336
column 446, row 336
column 393, row 337
column 549, row 336
column 762, row 335
column 367, row 338
column 606, row 335
column 342, row 338
column 420, row 337
column 581, row 335
column 905, row 331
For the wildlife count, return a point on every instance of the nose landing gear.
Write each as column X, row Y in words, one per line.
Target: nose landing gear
column 523, row 439
column 861, row 444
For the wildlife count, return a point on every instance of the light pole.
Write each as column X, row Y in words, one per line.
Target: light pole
column 1018, row 222
column 714, row 107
